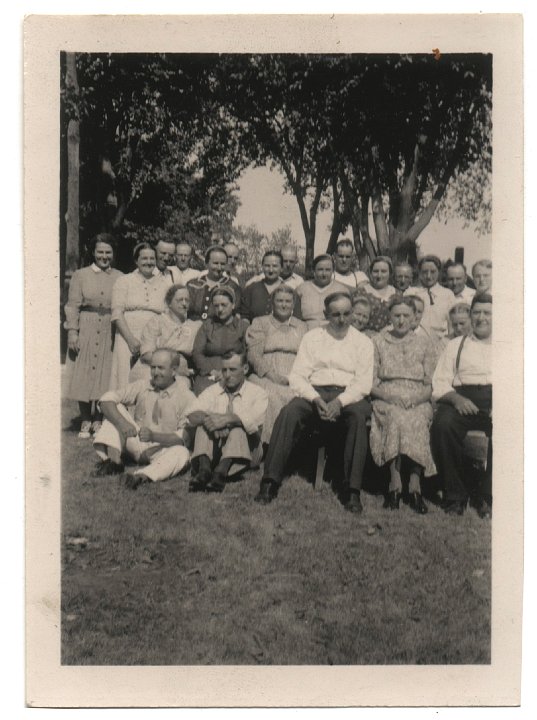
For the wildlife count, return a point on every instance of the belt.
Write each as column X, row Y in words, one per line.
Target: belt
column 330, row 388
column 99, row 309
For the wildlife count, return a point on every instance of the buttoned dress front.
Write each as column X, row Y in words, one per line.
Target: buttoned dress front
column 139, row 299
column 404, row 366
column 88, row 311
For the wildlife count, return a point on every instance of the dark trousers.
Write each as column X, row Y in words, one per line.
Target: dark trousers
column 300, row 418
column 447, row 434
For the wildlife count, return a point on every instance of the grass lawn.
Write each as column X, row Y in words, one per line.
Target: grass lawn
column 163, row 577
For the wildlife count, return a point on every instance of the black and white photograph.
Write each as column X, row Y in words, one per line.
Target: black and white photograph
column 271, row 346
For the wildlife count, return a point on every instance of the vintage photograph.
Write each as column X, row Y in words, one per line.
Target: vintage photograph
column 275, row 354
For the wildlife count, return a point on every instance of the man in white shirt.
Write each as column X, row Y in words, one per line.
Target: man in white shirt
column 287, row 275
column 343, row 260
column 152, row 433
column 164, row 252
column 332, row 377
column 402, row 276
column 437, row 300
column 228, row 418
column 462, row 387
column 456, row 281
column 181, row 271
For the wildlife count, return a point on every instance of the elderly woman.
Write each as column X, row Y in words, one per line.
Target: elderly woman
column 272, row 342
column 482, row 276
column 402, row 410
column 222, row 332
column 136, row 298
column 89, row 332
column 312, row 293
column 171, row 330
column 361, row 312
column 379, row 292
column 216, row 261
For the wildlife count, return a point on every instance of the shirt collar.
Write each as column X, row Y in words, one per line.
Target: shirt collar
column 239, row 392
column 97, row 269
column 167, row 392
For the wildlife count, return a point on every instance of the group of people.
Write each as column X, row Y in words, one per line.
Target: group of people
column 173, row 365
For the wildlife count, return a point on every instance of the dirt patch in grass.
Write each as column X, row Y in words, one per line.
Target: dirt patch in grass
column 163, row 577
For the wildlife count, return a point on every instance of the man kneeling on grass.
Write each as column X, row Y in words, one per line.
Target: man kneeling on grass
column 153, row 435
column 228, row 419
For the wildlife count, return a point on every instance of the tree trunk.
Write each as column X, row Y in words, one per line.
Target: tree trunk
column 72, row 215
column 337, row 221
column 381, row 227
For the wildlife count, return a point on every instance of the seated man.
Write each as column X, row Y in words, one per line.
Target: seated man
column 228, row 417
column 332, row 376
column 462, row 387
column 153, row 435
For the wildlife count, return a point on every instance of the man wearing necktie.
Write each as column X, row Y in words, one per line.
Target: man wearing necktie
column 228, row 418
column 438, row 300
column 151, row 434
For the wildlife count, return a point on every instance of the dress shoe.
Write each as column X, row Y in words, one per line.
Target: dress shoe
column 200, row 481
column 216, row 484
column 484, row 510
column 106, row 468
column 417, row 504
column 134, row 480
column 267, row 492
column 354, row 504
column 393, row 499
column 455, row 507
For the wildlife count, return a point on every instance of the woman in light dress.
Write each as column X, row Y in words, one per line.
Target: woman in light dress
column 312, row 293
column 171, row 330
column 136, row 298
column 402, row 410
column 89, row 332
column 272, row 343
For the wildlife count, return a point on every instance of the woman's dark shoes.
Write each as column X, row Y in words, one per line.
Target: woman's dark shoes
column 267, row 492
column 354, row 504
column 393, row 499
column 216, row 484
column 417, row 504
column 454, row 507
column 106, row 468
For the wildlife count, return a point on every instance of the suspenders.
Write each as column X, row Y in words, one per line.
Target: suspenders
column 458, row 360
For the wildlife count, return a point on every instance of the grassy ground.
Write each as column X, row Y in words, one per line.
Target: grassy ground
column 163, row 577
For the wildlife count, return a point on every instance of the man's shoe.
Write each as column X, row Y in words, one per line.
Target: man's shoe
column 216, row 484
column 106, row 468
column 455, row 507
column 133, row 482
column 393, row 499
column 267, row 492
column 484, row 510
column 417, row 504
column 200, row 481
column 85, row 430
column 354, row 504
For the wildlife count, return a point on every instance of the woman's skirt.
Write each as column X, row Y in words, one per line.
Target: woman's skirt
column 396, row 431
column 89, row 370
column 121, row 356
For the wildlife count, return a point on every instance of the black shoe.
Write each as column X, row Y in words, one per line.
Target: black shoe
column 454, row 507
column 200, row 482
column 134, row 481
column 216, row 484
column 393, row 499
column 106, row 468
column 354, row 504
column 484, row 510
column 417, row 504
column 267, row 492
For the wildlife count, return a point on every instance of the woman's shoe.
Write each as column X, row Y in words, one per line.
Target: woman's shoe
column 417, row 504
column 85, row 430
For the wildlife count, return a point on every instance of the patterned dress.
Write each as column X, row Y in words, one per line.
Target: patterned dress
column 139, row 299
column 272, row 346
column 88, row 311
column 404, row 366
column 378, row 299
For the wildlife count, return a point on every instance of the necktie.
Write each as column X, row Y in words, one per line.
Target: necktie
column 155, row 416
column 230, row 398
column 431, row 299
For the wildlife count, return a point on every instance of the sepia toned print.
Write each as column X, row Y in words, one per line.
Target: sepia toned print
column 179, row 545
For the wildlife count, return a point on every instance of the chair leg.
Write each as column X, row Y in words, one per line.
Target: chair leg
column 319, row 473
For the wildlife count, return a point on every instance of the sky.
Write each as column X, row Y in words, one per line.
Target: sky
column 264, row 204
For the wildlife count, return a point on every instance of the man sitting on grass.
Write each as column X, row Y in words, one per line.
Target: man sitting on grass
column 332, row 377
column 228, row 418
column 153, row 435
